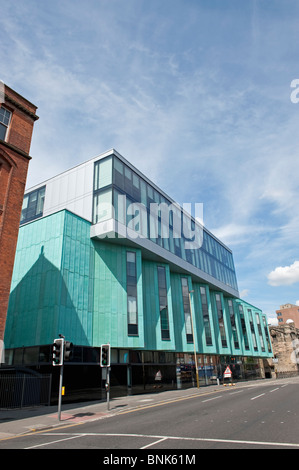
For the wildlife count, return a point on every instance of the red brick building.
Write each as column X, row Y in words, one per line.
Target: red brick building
column 17, row 117
column 287, row 313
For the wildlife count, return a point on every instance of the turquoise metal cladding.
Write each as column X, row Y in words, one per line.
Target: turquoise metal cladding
column 110, row 321
column 65, row 282
column 262, row 334
column 152, row 321
column 50, row 291
column 178, row 315
column 76, row 296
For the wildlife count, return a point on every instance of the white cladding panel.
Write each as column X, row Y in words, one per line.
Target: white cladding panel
column 71, row 190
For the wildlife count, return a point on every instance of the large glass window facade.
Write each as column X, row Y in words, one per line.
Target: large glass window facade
column 243, row 326
column 102, row 191
column 259, row 328
column 33, row 205
column 221, row 320
column 206, row 318
column 233, row 323
column 253, row 337
column 132, row 199
column 163, row 303
column 267, row 334
column 187, row 313
column 132, row 305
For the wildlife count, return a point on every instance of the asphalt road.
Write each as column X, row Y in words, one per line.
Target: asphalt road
column 242, row 417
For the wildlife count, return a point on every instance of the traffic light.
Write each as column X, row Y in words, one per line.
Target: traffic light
column 68, row 350
column 105, row 355
column 57, row 352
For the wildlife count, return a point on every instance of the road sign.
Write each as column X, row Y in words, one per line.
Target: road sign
column 158, row 376
column 227, row 373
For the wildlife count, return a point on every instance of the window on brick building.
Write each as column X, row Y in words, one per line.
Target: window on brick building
column 5, row 116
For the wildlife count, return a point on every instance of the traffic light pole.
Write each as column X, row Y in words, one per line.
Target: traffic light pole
column 60, row 392
column 61, row 379
column 105, row 363
column 61, row 351
column 108, row 388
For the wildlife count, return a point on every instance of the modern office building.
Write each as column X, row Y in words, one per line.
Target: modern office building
column 105, row 256
column 17, row 118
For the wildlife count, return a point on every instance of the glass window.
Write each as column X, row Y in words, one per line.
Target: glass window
column 253, row 337
column 221, row 321
column 206, row 317
column 119, row 206
column 128, row 183
column 118, row 174
column 163, row 303
column 187, row 313
column 33, row 205
column 102, row 206
column 211, row 257
column 267, row 334
column 132, row 307
column 243, row 326
column 103, row 173
column 5, row 116
column 233, row 323
column 143, row 196
column 257, row 317
column 136, row 187
column 40, row 200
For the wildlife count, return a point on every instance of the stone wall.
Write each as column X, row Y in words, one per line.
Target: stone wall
column 285, row 344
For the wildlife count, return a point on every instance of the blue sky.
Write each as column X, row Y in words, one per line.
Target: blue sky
column 195, row 93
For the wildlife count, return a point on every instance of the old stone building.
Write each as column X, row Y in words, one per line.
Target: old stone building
column 285, row 344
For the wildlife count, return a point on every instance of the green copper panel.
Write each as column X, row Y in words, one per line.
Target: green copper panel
column 50, row 292
column 152, row 321
column 110, row 320
column 33, row 313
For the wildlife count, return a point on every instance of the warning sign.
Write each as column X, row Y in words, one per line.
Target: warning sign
column 158, row 376
column 227, row 373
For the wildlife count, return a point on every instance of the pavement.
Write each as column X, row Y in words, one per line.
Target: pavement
column 15, row 422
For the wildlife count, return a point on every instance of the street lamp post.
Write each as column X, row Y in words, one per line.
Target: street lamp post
column 195, row 357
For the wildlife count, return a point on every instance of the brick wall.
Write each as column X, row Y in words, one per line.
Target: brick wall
column 14, row 161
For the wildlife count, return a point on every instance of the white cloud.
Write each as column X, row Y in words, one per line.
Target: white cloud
column 206, row 116
column 244, row 293
column 272, row 321
column 284, row 275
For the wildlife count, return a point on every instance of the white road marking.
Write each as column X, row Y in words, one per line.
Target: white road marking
column 209, row 399
column 54, row 442
column 177, row 438
column 153, row 443
column 257, row 396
